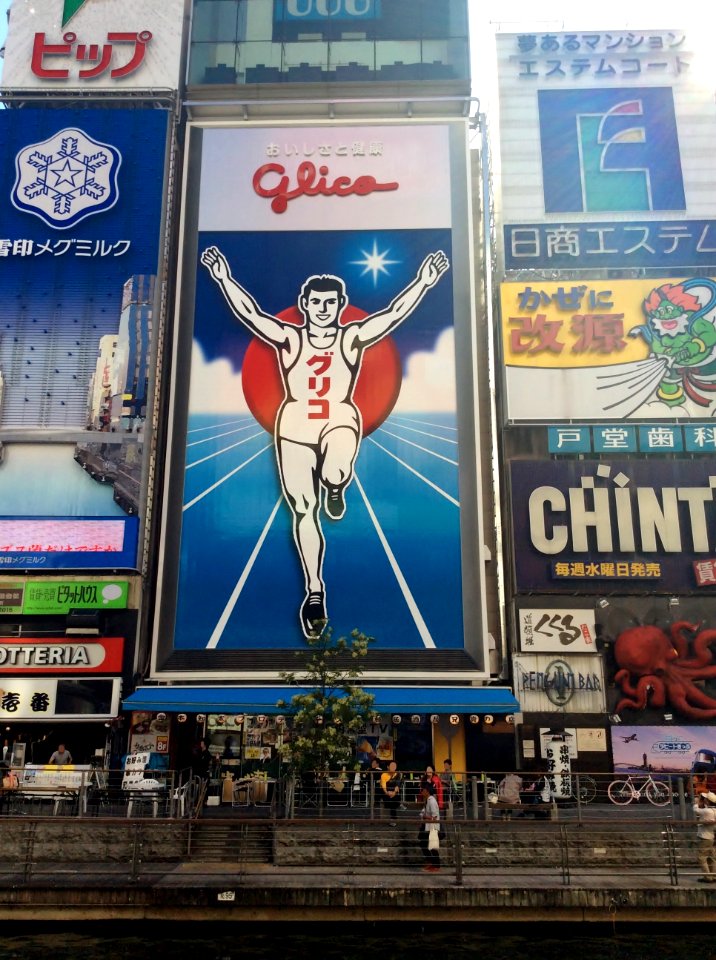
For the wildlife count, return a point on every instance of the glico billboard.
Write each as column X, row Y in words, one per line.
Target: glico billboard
column 94, row 44
column 321, row 465
column 81, row 195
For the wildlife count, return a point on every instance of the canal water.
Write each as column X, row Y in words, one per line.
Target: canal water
column 347, row 941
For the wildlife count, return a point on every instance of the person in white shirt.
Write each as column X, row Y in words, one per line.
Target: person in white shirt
column 430, row 815
column 705, row 813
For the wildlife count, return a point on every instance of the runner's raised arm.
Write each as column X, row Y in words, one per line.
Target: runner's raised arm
column 242, row 304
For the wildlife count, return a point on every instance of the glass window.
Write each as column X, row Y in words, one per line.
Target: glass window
column 213, row 63
column 215, row 20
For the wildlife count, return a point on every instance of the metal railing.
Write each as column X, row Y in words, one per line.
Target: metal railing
column 471, row 852
column 468, row 796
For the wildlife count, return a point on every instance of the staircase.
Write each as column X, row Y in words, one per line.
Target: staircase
column 230, row 843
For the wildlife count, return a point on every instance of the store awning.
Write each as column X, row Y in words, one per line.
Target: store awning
column 253, row 700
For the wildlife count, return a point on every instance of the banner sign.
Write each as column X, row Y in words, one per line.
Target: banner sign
column 545, row 682
column 663, row 749
column 554, row 629
column 602, row 123
column 55, row 596
column 610, row 349
column 61, row 655
column 595, row 526
column 620, row 438
column 323, row 391
column 44, row 698
column 94, row 44
column 81, row 195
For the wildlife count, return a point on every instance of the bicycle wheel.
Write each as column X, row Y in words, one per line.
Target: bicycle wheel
column 587, row 788
column 620, row 792
column 657, row 793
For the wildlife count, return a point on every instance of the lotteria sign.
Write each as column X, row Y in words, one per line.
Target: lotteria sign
column 31, row 655
column 94, row 43
column 592, row 526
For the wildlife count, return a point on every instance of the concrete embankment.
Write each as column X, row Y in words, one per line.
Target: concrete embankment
column 69, row 869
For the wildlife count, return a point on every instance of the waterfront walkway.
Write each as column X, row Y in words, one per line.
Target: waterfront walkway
column 621, row 870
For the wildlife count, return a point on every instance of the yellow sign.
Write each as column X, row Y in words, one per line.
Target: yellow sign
column 600, row 323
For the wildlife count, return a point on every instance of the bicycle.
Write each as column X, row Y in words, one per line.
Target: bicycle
column 622, row 792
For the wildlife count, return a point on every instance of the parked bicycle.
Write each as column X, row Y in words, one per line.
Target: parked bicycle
column 624, row 791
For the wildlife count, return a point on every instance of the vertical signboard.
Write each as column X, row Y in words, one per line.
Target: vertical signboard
column 81, row 198
column 324, row 473
column 605, row 151
column 94, row 44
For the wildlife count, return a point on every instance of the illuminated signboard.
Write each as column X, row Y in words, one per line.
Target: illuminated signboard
column 604, row 151
column 95, row 44
column 323, row 449
column 81, row 197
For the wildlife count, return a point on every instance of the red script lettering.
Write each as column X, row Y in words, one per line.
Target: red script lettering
column 308, row 184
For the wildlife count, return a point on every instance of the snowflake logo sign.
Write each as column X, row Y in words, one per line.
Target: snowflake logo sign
column 66, row 178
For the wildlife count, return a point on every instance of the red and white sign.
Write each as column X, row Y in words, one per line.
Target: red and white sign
column 705, row 573
column 295, row 178
column 61, row 655
column 98, row 44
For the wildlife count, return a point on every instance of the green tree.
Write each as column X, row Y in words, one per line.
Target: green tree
column 329, row 715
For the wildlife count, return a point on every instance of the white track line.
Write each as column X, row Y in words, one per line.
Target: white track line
column 424, row 423
column 215, row 426
column 424, row 433
column 419, row 475
column 218, row 453
column 195, row 443
column 417, row 445
column 227, row 477
column 241, row 582
column 420, row 624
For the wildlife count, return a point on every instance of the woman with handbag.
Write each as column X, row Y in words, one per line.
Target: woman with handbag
column 429, row 835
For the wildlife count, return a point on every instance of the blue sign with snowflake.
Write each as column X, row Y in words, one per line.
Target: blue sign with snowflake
column 66, row 178
column 81, row 194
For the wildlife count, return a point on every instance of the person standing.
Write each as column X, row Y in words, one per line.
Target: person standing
column 449, row 785
column 202, row 761
column 705, row 813
column 429, row 835
column 61, row 757
column 390, row 791
column 430, row 777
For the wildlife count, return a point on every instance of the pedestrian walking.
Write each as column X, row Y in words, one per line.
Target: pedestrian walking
column 705, row 813
column 429, row 834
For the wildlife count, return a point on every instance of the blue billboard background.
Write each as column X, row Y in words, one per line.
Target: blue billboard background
column 392, row 565
column 62, row 293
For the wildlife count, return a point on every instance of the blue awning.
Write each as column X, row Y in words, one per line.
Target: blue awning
column 253, row 700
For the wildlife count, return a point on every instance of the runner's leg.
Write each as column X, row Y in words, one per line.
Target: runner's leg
column 339, row 447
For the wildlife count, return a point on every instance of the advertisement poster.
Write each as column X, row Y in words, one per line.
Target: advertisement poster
column 94, row 44
column 604, row 150
column 628, row 526
column 664, row 749
column 80, row 198
column 323, row 477
column 610, row 349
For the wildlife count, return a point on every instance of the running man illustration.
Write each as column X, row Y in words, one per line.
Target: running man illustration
column 318, row 426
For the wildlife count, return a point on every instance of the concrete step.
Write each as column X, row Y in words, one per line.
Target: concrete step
column 225, row 844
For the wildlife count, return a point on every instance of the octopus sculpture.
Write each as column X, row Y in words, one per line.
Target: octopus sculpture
column 666, row 667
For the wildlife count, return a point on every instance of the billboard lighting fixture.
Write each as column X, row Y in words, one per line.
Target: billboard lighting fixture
column 397, row 718
column 489, row 718
column 615, row 718
column 603, row 603
column 454, row 719
column 474, row 718
column 668, row 717
column 181, row 718
column 673, row 601
column 415, row 719
column 434, row 718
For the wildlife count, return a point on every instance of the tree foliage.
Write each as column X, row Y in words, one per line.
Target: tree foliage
column 327, row 717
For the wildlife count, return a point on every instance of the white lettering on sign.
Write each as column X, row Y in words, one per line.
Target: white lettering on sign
column 60, row 655
column 644, row 519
